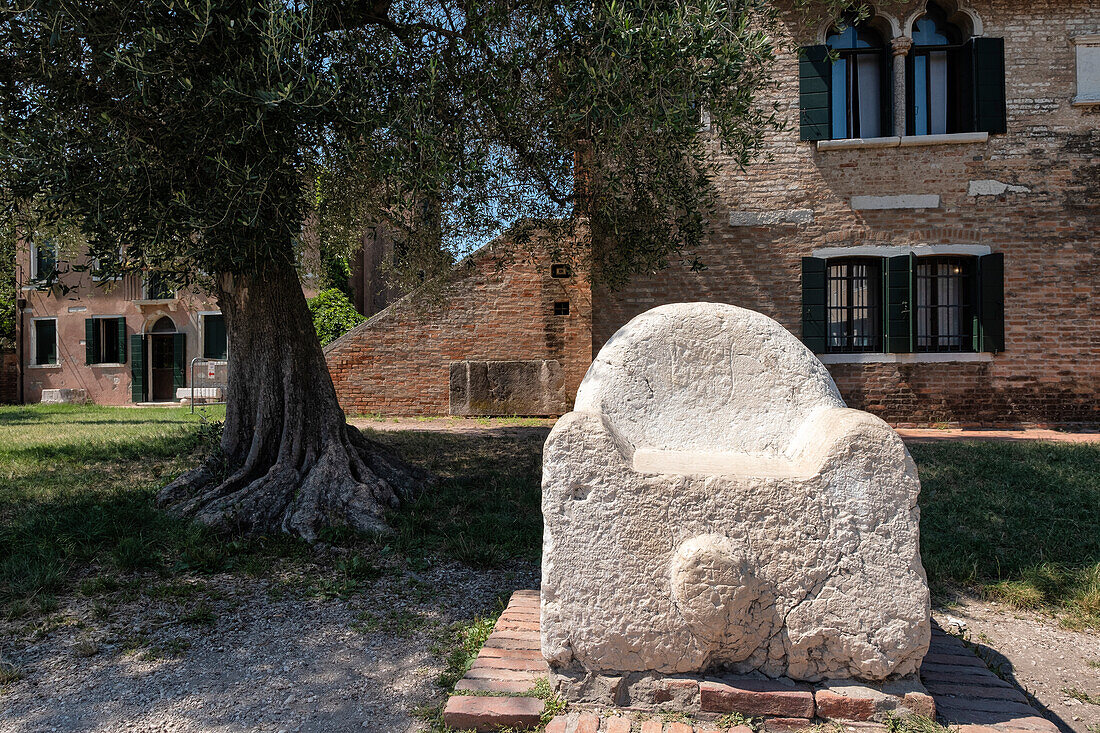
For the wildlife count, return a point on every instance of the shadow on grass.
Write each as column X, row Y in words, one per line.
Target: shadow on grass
column 486, row 508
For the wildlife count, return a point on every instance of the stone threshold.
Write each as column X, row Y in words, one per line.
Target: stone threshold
column 499, row 692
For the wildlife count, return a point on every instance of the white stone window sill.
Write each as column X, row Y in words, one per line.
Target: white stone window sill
column 907, row 141
column 43, row 366
column 109, row 364
column 1079, row 102
column 922, row 358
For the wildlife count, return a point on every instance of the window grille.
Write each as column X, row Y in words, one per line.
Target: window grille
column 853, row 304
column 944, row 309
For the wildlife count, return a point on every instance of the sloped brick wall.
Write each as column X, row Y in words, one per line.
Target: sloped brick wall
column 399, row 361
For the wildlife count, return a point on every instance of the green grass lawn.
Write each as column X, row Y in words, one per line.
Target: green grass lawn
column 1017, row 522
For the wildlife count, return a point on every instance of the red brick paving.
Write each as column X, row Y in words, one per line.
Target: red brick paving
column 967, row 695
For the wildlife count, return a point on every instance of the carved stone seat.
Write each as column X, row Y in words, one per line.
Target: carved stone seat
column 711, row 504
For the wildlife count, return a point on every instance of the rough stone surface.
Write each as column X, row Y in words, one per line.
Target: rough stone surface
column 64, row 396
column 530, row 387
column 770, row 218
column 711, row 504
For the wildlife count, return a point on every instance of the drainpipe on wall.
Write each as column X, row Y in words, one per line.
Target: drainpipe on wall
column 20, row 305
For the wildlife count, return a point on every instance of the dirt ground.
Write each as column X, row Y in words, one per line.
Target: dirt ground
column 261, row 660
column 1057, row 668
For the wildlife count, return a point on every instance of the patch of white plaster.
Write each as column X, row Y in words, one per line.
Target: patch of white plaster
column 994, row 188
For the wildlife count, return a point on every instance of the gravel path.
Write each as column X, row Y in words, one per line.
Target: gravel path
column 251, row 661
column 1055, row 666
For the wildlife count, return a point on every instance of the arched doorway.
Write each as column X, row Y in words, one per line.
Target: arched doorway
column 159, row 364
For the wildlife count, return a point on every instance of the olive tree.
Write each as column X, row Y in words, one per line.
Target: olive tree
column 205, row 140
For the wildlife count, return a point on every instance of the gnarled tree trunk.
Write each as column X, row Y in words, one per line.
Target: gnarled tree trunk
column 289, row 460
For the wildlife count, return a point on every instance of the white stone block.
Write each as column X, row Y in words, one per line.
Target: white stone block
column 64, row 396
column 770, row 218
column 904, row 201
column 711, row 503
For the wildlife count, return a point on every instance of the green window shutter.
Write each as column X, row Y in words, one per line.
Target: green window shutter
column 213, row 337
column 991, row 288
column 814, row 82
column 91, row 341
column 813, row 304
column 899, row 304
column 988, row 64
column 121, row 340
column 179, row 360
column 137, row 368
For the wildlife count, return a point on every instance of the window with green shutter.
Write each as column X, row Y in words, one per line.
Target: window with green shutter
column 105, row 340
column 953, row 83
column 917, row 304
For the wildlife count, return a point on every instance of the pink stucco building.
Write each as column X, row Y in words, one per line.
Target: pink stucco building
column 113, row 342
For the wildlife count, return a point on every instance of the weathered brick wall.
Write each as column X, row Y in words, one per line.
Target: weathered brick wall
column 9, row 377
column 1050, row 370
column 398, row 362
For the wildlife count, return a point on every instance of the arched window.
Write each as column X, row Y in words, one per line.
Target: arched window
column 939, row 84
column 859, row 89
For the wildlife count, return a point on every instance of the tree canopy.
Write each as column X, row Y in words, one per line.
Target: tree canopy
column 199, row 135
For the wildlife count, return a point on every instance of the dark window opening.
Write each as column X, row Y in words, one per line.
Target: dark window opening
column 45, row 259
column 853, row 304
column 107, row 336
column 944, row 303
column 215, row 344
column 560, row 271
column 561, row 308
column 938, row 85
column 157, row 287
column 860, row 87
column 164, row 324
column 45, row 341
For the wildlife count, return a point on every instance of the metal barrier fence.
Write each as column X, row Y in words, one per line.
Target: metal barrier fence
column 209, row 382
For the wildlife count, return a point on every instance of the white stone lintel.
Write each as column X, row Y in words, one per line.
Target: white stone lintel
column 924, row 358
column 918, row 250
column 902, row 201
column 743, row 218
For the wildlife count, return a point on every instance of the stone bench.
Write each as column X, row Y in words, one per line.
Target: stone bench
column 199, row 394
column 64, row 396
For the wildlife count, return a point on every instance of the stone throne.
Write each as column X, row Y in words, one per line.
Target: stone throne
column 712, row 507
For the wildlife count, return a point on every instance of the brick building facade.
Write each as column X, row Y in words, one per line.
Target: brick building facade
column 500, row 339
column 111, row 342
column 927, row 222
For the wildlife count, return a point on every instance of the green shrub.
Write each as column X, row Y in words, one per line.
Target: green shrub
column 333, row 315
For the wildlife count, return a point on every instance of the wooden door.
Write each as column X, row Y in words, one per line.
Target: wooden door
column 162, row 367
